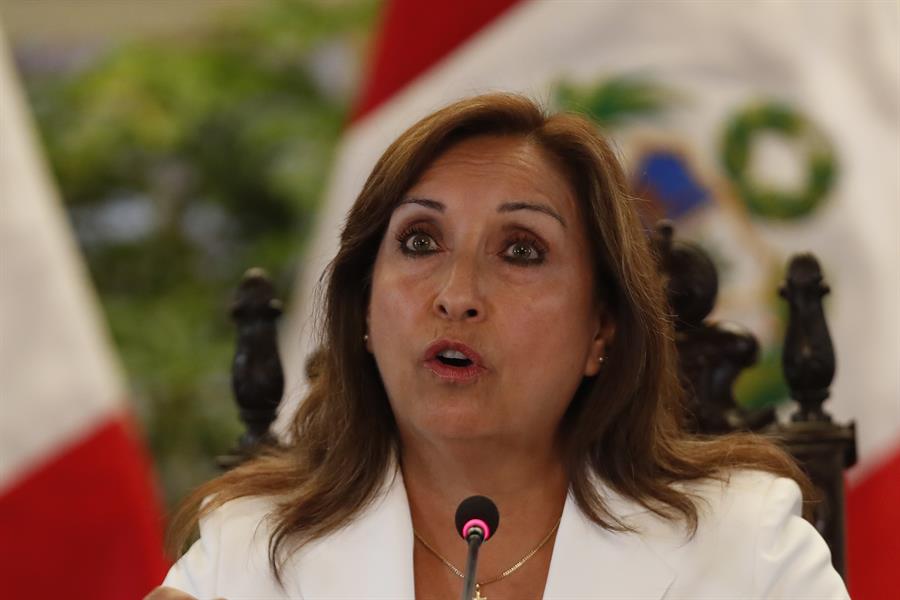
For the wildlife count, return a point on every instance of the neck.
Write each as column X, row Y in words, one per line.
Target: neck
column 528, row 485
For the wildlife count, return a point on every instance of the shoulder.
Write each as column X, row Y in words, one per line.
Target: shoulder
column 231, row 558
column 750, row 536
column 232, row 548
column 730, row 513
column 743, row 498
column 240, row 516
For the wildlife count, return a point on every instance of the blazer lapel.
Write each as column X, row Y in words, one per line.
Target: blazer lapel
column 592, row 562
column 369, row 558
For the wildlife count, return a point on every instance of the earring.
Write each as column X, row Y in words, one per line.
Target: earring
column 365, row 338
column 600, row 359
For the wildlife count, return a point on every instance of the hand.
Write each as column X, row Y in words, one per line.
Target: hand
column 167, row 593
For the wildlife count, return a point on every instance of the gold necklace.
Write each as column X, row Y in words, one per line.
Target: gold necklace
column 518, row 564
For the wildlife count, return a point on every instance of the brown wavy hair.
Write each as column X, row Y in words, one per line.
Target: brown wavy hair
column 624, row 426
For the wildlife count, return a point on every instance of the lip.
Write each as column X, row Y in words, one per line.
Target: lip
column 453, row 374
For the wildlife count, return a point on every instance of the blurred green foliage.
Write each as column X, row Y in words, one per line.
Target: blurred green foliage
column 183, row 162
column 616, row 100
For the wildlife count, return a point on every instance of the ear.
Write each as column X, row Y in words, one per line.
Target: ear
column 603, row 336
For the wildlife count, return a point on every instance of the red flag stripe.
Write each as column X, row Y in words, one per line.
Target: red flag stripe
column 873, row 532
column 86, row 524
column 414, row 36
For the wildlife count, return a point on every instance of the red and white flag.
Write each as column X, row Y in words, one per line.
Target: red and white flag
column 79, row 514
column 713, row 105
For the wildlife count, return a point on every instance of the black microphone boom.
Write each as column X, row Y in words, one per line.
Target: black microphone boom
column 477, row 520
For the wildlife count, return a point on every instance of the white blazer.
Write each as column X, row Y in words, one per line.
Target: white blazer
column 751, row 543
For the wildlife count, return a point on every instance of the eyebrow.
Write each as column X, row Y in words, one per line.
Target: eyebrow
column 541, row 208
column 503, row 208
column 432, row 204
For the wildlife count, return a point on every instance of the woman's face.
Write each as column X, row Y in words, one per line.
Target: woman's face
column 482, row 318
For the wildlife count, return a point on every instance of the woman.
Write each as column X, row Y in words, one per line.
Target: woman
column 494, row 324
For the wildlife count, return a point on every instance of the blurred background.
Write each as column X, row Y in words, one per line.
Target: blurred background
column 189, row 141
column 153, row 150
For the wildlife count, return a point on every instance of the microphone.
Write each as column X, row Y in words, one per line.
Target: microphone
column 477, row 520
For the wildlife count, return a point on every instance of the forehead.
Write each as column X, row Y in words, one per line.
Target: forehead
column 497, row 168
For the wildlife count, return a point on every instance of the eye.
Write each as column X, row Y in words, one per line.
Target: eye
column 415, row 242
column 525, row 251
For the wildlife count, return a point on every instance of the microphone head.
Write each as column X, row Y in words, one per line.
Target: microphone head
column 480, row 512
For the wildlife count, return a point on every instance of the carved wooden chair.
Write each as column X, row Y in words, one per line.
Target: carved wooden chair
column 711, row 357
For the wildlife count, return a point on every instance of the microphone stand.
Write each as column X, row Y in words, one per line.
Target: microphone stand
column 476, row 521
column 476, row 537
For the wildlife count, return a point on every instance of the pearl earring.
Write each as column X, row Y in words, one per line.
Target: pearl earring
column 365, row 338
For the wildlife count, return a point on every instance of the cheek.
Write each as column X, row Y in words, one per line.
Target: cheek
column 549, row 326
column 546, row 326
column 394, row 306
column 550, row 304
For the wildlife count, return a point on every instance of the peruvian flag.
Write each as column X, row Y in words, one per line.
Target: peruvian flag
column 811, row 84
column 79, row 516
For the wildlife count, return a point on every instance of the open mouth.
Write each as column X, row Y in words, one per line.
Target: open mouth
column 454, row 362
column 453, row 358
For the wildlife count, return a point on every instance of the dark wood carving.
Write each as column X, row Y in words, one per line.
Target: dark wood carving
column 257, row 378
column 808, row 358
column 824, row 448
column 711, row 354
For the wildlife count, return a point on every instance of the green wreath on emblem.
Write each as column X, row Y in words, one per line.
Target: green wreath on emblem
column 765, row 200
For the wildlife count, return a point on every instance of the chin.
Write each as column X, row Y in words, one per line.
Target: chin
column 456, row 423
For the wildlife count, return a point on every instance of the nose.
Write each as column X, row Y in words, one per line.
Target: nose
column 459, row 297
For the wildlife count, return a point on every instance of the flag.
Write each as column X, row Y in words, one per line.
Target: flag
column 762, row 129
column 79, row 516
